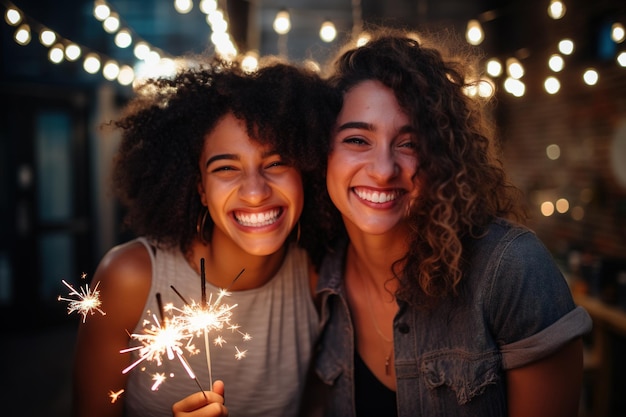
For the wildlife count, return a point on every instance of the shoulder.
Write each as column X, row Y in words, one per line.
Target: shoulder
column 124, row 276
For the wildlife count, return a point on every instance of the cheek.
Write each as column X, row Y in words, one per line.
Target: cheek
column 293, row 190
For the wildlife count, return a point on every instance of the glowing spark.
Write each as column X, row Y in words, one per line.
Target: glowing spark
column 219, row 341
column 240, row 354
column 115, row 395
column 157, row 341
column 86, row 301
column 158, row 380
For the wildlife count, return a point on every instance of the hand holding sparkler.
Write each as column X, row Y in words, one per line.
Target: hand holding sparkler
column 197, row 405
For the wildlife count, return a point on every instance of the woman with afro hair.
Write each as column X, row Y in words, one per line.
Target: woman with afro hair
column 217, row 170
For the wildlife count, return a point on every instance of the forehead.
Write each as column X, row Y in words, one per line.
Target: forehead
column 371, row 101
column 229, row 131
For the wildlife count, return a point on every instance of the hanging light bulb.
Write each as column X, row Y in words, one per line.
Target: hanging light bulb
column 328, row 32
column 474, row 33
column 556, row 9
column 617, row 32
column 22, row 34
column 282, row 22
column 13, row 16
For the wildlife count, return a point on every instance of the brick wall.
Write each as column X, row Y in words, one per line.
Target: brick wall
column 584, row 122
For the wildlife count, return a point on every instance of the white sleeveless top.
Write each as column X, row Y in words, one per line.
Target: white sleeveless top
column 280, row 317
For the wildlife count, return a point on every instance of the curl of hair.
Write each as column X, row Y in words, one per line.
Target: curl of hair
column 157, row 170
column 461, row 181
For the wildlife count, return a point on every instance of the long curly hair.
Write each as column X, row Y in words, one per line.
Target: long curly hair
column 163, row 128
column 461, row 181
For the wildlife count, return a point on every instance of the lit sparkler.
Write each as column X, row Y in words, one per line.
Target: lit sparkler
column 87, row 301
column 159, row 340
column 208, row 316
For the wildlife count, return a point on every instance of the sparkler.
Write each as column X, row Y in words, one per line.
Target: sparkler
column 166, row 339
column 209, row 316
column 87, row 301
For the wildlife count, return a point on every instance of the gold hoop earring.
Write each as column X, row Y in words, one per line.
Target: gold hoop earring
column 200, row 225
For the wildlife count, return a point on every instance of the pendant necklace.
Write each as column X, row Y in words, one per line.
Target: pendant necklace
column 380, row 333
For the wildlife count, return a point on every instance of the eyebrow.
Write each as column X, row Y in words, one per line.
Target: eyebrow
column 234, row 157
column 355, row 125
column 370, row 127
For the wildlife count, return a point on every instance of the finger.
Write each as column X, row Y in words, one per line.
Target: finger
column 218, row 387
column 197, row 400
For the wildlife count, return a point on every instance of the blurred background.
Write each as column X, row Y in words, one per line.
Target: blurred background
column 557, row 69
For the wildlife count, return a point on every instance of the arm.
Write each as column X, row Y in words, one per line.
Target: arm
column 195, row 405
column 549, row 387
column 125, row 276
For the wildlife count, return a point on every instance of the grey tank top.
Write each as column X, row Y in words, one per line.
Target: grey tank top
column 280, row 317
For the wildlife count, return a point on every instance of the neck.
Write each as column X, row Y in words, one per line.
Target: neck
column 224, row 262
column 373, row 256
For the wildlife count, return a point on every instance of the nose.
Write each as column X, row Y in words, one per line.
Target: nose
column 383, row 165
column 254, row 188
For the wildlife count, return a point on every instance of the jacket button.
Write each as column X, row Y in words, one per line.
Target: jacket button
column 403, row 328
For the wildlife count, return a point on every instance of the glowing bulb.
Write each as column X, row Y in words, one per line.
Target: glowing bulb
column 552, row 85
column 13, row 16
column 617, row 32
column 556, row 63
column 328, row 32
column 123, row 38
column 282, row 23
column 22, row 35
column 556, row 9
column 566, row 46
column 474, row 33
column 591, row 76
column 494, row 68
column 47, row 37
column 72, row 52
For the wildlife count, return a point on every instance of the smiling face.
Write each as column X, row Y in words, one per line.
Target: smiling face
column 254, row 198
column 373, row 160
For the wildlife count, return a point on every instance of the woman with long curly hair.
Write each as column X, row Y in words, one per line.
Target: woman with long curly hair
column 218, row 171
column 437, row 300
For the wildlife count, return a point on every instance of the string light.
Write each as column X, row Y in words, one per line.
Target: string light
column 282, row 22
column 474, row 33
column 617, row 32
column 328, row 32
column 60, row 49
column 556, row 9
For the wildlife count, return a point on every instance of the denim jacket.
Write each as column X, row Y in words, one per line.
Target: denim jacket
column 513, row 308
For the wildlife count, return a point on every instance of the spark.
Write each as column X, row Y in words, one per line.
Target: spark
column 115, row 395
column 158, row 380
column 158, row 341
column 240, row 354
column 87, row 301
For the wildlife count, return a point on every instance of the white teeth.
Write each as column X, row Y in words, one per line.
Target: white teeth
column 257, row 219
column 376, row 196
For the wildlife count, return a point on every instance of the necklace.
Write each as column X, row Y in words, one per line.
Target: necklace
column 380, row 333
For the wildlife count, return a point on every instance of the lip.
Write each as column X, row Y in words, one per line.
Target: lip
column 258, row 219
column 378, row 198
